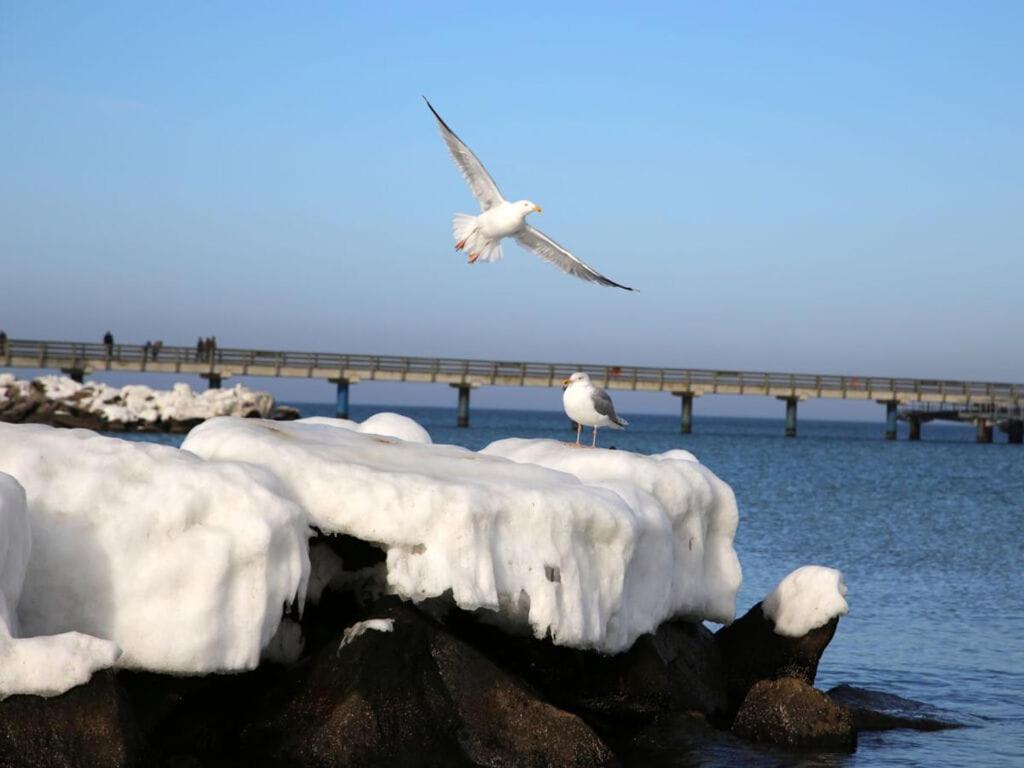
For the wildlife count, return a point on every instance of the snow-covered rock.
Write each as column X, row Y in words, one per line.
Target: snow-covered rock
column 43, row 666
column 385, row 424
column 185, row 564
column 704, row 572
column 807, row 598
column 594, row 554
column 136, row 404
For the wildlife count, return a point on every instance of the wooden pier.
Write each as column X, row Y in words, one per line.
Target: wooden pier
column 985, row 403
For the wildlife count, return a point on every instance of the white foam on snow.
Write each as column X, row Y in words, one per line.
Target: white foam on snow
column 807, row 598
column 185, row 564
column 385, row 424
column 594, row 554
column 43, row 666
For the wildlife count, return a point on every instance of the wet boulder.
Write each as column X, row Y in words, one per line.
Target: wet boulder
column 791, row 713
column 878, row 711
column 676, row 669
column 90, row 726
column 752, row 651
column 405, row 691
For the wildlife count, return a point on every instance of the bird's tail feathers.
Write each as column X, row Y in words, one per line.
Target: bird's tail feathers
column 469, row 240
column 463, row 226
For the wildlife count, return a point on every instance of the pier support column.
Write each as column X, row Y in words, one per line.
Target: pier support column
column 890, row 419
column 341, row 406
column 1015, row 432
column 75, row 374
column 790, row 415
column 915, row 428
column 984, row 431
column 463, row 419
column 213, row 379
column 686, row 417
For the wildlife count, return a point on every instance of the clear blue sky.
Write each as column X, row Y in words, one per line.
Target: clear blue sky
column 811, row 186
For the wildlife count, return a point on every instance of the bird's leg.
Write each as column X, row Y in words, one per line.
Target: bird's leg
column 473, row 257
column 593, row 443
column 460, row 245
column 579, row 431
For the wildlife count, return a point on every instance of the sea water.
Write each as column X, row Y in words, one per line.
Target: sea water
column 930, row 538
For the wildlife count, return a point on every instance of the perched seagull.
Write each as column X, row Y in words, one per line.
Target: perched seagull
column 481, row 236
column 589, row 405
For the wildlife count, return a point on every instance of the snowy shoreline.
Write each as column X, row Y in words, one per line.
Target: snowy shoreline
column 62, row 402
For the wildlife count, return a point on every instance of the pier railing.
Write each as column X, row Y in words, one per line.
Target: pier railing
column 226, row 362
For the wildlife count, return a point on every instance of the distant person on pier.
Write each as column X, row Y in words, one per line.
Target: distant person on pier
column 200, row 345
column 108, row 342
column 146, row 349
column 157, row 346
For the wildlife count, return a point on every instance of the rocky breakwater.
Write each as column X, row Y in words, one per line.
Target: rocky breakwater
column 62, row 402
column 323, row 592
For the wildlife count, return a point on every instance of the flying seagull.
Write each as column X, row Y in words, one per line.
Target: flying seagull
column 481, row 236
column 589, row 405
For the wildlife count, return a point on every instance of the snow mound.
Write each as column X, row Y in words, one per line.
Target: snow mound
column 807, row 598
column 43, row 666
column 595, row 554
column 676, row 454
column 704, row 574
column 185, row 564
column 385, row 424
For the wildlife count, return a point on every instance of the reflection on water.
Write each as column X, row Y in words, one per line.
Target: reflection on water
column 929, row 536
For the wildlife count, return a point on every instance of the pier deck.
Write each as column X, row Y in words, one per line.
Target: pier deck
column 78, row 359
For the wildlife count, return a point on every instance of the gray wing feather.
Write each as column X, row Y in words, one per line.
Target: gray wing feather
column 480, row 182
column 537, row 242
column 603, row 404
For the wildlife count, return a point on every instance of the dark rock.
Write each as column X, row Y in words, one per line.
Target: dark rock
column 791, row 713
column 90, row 726
column 414, row 696
column 676, row 669
column 877, row 711
column 23, row 407
column 180, row 426
column 74, row 418
column 285, row 413
column 751, row 651
column 187, row 721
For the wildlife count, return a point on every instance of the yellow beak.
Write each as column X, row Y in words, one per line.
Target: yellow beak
column 537, row 208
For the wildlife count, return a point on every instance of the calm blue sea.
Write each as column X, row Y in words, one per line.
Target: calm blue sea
column 929, row 535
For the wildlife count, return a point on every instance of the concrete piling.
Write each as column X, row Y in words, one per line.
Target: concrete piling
column 463, row 418
column 890, row 420
column 914, row 422
column 341, row 401
column 790, row 415
column 686, row 416
column 214, row 380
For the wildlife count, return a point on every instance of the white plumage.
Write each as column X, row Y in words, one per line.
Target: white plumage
column 589, row 406
column 480, row 236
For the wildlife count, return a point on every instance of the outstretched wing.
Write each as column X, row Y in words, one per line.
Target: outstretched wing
column 480, row 182
column 534, row 240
